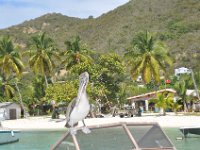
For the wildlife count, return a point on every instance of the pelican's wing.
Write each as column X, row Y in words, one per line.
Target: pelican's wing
column 70, row 108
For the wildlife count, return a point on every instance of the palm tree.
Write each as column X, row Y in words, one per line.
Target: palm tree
column 41, row 55
column 76, row 54
column 163, row 101
column 175, row 106
column 10, row 59
column 181, row 87
column 10, row 62
column 7, row 91
column 147, row 56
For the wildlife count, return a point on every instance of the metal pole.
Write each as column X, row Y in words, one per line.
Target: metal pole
column 75, row 142
column 195, row 85
column 59, row 141
column 130, row 136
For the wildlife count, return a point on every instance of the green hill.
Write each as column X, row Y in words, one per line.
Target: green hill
column 175, row 21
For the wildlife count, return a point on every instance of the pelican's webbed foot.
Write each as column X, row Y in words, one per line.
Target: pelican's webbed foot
column 86, row 130
column 72, row 131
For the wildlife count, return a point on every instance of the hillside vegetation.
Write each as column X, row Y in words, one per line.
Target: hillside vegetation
column 176, row 22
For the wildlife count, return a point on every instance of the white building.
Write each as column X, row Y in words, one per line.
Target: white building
column 182, row 70
column 9, row 110
column 139, row 78
column 143, row 100
column 190, row 92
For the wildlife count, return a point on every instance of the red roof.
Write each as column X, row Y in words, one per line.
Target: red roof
column 149, row 95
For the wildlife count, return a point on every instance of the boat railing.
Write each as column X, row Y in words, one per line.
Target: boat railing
column 142, row 136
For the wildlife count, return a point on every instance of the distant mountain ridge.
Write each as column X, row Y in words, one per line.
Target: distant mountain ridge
column 176, row 22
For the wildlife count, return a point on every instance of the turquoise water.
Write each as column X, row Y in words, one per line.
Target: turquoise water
column 190, row 143
column 37, row 140
column 42, row 140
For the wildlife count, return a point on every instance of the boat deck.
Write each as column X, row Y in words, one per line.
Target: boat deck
column 8, row 136
column 117, row 136
column 190, row 130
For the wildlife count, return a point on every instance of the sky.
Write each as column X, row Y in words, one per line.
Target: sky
column 14, row 12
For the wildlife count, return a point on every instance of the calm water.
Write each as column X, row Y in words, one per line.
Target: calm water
column 42, row 140
column 190, row 143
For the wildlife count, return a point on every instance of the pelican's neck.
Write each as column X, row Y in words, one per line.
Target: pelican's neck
column 84, row 96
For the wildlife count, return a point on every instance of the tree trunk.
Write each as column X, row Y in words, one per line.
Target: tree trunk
column 45, row 77
column 162, row 111
column 185, row 107
column 193, row 107
column 20, row 98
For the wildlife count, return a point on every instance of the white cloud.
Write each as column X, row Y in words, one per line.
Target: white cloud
column 16, row 11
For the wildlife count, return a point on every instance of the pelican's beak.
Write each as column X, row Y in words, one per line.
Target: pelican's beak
column 84, row 78
column 80, row 91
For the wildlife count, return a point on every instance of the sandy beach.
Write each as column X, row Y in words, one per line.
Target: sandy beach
column 46, row 123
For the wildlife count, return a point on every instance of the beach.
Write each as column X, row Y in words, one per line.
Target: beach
column 46, row 123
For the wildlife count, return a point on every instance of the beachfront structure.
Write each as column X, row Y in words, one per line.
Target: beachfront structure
column 142, row 100
column 190, row 92
column 9, row 111
column 196, row 104
column 182, row 70
column 139, row 78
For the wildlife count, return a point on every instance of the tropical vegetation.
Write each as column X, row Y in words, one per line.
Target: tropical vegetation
column 163, row 101
column 34, row 86
column 115, row 29
column 11, row 68
column 42, row 55
column 147, row 56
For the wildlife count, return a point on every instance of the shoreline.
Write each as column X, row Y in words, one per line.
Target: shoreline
column 46, row 123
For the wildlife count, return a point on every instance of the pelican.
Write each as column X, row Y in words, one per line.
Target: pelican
column 79, row 107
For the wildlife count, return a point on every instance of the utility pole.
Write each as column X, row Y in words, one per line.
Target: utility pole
column 195, row 85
